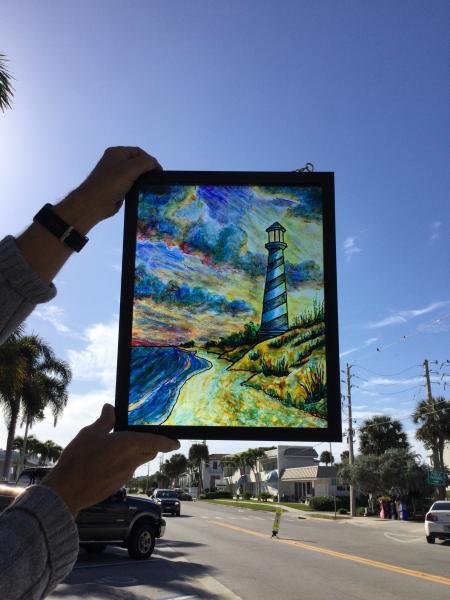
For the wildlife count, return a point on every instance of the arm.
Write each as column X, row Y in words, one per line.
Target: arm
column 38, row 534
column 29, row 264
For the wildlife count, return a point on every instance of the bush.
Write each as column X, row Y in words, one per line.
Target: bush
column 342, row 511
column 265, row 496
column 327, row 503
column 279, row 367
column 217, row 494
column 360, row 511
column 247, row 495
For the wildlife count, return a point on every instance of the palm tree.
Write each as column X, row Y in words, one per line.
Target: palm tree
column 13, row 368
column 49, row 452
column 381, row 433
column 199, row 453
column 434, row 430
column 174, row 467
column 31, row 378
column 326, row 457
column 6, row 88
column 250, row 458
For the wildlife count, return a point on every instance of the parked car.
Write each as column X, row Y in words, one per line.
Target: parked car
column 437, row 522
column 168, row 501
column 182, row 495
column 119, row 520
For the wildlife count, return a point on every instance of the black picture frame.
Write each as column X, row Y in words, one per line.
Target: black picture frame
column 304, row 179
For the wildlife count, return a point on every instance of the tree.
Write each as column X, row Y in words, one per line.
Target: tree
column 345, row 456
column 381, row 433
column 326, row 457
column 6, row 88
column 174, row 467
column 31, row 378
column 434, row 431
column 397, row 473
column 199, row 453
column 250, row 458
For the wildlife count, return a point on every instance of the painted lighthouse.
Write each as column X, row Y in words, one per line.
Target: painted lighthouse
column 274, row 320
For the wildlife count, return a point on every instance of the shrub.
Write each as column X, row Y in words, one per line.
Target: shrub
column 279, row 367
column 360, row 511
column 254, row 355
column 247, row 495
column 342, row 511
column 327, row 503
column 218, row 494
column 265, row 496
column 310, row 317
column 315, row 384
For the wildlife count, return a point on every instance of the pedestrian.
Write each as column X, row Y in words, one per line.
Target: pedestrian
column 38, row 535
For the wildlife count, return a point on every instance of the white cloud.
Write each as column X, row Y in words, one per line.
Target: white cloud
column 54, row 315
column 350, row 248
column 435, row 230
column 402, row 316
column 97, row 362
column 367, row 343
column 375, row 381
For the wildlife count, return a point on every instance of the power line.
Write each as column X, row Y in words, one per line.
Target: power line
column 386, row 374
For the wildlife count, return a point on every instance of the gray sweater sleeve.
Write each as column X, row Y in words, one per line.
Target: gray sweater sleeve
column 20, row 288
column 38, row 536
column 38, row 544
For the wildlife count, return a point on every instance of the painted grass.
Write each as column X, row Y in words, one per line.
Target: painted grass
column 250, row 505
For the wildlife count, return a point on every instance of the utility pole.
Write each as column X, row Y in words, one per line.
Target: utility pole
column 440, row 490
column 350, row 438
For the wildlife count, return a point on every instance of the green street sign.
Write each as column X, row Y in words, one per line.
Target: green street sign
column 436, row 478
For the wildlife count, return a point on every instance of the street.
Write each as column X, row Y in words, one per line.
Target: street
column 221, row 552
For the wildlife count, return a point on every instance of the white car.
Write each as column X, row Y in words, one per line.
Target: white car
column 437, row 521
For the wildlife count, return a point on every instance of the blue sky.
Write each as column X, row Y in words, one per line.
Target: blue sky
column 354, row 87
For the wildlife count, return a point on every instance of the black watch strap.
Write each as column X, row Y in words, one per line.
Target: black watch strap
column 62, row 230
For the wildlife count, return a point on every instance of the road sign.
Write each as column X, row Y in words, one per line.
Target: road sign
column 436, row 477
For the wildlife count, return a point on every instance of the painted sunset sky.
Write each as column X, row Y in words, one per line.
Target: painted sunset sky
column 201, row 258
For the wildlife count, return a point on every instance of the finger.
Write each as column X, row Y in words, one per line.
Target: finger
column 106, row 420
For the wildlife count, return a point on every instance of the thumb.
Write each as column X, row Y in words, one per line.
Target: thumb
column 106, row 420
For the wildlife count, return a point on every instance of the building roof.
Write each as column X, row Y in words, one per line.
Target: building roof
column 216, row 456
column 308, row 473
column 292, row 451
column 300, row 451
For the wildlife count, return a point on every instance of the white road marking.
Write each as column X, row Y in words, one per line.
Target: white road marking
column 397, row 538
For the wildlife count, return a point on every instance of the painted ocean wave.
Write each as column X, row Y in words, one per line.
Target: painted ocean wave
column 156, row 376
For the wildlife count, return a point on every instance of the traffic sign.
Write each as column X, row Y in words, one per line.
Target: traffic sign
column 436, row 477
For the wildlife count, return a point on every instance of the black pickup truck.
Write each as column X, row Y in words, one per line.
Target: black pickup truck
column 120, row 520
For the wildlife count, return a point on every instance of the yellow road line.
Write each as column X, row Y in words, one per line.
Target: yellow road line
column 358, row 559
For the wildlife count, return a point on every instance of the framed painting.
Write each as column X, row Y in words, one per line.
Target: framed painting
column 228, row 318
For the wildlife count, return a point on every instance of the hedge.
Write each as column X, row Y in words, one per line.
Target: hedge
column 327, row 502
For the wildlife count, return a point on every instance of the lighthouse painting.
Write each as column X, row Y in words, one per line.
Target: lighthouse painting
column 228, row 323
column 274, row 320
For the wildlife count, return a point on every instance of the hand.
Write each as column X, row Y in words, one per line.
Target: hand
column 101, row 195
column 97, row 463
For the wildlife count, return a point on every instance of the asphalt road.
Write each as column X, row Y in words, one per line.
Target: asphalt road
column 220, row 552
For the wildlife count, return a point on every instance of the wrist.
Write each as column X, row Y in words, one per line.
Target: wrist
column 78, row 210
column 63, row 490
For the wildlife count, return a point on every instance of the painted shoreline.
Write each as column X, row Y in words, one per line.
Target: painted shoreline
column 159, row 373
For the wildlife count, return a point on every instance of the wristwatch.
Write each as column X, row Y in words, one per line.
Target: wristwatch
column 66, row 233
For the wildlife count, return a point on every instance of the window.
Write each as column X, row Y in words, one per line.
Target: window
column 214, row 465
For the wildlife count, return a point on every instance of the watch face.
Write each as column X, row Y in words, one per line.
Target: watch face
column 229, row 328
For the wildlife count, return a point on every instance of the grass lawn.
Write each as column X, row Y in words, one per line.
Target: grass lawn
column 251, row 505
column 332, row 517
column 297, row 505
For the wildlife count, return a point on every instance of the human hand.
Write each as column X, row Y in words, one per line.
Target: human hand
column 97, row 463
column 101, row 195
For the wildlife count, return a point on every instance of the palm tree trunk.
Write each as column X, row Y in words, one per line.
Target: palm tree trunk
column 23, row 457
column 9, row 444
